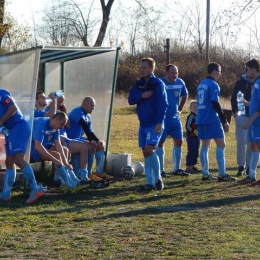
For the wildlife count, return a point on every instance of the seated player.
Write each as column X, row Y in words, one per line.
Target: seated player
column 46, row 146
column 80, row 123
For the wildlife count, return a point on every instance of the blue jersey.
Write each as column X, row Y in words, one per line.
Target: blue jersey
column 255, row 101
column 150, row 111
column 76, row 130
column 39, row 113
column 43, row 133
column 207, row 91
column 6, row 100
column 174, row 90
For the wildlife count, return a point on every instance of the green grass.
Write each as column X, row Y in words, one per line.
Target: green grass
column 189, row 219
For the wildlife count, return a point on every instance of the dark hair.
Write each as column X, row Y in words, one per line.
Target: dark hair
column 169, row 66
column 61, row 116
column 213, row 66
column 254, row 63
column 38, row 93
column 151, row 62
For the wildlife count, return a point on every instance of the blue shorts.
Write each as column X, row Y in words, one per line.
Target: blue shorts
column 212, row 131
column 17, row 141
column 254, row 133
column 173, row 129
column 147, row 136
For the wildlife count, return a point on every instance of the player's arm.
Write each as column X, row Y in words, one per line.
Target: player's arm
column 90, row 135
column 218, row 109
column 59, row 149
column 52, row 106
column 45, row 154
column 182, row 102
column 9, row 113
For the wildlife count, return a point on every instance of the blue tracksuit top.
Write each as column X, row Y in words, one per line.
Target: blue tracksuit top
column 150, row 111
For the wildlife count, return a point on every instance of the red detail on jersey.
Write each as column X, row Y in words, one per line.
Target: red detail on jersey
column 7, row 101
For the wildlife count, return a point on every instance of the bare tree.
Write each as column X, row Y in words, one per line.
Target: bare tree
column 3, row 26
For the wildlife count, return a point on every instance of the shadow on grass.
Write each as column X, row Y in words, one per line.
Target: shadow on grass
column 176, row 208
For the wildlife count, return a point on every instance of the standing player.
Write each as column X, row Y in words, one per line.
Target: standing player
column 149, row 96
column 253, row 71
column 177, row 95
column 209, row 119
column 16, row 145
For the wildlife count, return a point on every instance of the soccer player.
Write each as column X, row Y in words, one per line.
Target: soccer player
column 16, row 145
column 80, row 123
column 149, row 95
column 41, row 105
column 210, row 119
column 46, row 146
column 253, row 71
column 177, row 95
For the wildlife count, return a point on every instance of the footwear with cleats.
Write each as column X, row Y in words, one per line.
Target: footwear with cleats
column 34, row 196
column 226, row 177
column 163, row 173
column 246, row 180
column 255, row 183
column 94, row 177
column 5, row 198
column 241, row 171
column 180, row 172
column 159, row 185
column 208, row 178
column 146, row 187
column 104, row 176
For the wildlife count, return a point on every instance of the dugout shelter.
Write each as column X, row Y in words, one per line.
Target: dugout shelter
column 78, row 71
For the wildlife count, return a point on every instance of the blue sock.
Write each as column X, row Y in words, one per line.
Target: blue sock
column 220, row 156
column 160, row 154
column 99, row 162
column 75, row 163
column 64, row 175
column 253, row 164
column 155, row 165
column 9, row 179
column 73, row 177
column 149, row 171
column 90, row 162
column 29, row 176
column 176, row 155
column 204, row 160
column 83, row 174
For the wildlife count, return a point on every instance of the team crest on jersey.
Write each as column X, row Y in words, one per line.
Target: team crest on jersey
column 176, row 93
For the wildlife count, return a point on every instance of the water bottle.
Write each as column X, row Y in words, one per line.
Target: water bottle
column 4, row 131
column 58, row 93
column 240, row 104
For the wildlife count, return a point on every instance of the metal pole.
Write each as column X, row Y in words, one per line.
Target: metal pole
column 167, row 51
column 207, row 60
column 207, row 29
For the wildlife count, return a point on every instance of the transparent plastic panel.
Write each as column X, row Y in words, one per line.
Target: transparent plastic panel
column 53, row 77
column 91, row 76
column 17, row 76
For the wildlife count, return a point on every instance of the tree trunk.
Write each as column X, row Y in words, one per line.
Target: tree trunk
column 105, row 19
column 3, row 27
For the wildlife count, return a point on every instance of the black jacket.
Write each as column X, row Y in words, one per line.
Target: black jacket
column 245, row 86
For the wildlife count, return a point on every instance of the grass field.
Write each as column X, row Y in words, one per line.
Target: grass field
column 189, row 219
